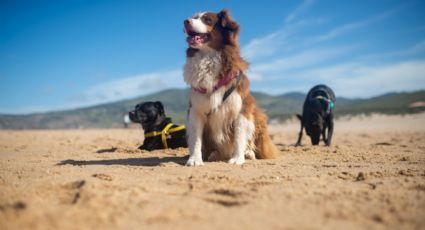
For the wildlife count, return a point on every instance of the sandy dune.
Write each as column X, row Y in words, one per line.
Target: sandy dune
column 373, row 177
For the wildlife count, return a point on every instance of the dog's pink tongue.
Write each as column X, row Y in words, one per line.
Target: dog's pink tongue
column 197, row 39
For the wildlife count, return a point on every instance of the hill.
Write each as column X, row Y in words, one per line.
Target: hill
column 279, row 107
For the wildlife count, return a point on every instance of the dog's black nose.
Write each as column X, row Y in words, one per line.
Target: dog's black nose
column 186, row 22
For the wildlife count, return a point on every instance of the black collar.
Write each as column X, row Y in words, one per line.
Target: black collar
column 233, row 87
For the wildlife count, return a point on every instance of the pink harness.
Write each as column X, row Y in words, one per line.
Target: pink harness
column 221, row 82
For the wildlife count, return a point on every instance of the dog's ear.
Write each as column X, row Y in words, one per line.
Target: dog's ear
column 299, row 117
column 230, row 28
column 160, row 107
column 226, row 21
column 137, row 107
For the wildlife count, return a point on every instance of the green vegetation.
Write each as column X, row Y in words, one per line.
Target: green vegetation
column 176, row 105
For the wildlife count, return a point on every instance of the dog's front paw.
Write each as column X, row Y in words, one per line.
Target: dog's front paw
column 237, row 160
column 250, row 155
column 194, row 162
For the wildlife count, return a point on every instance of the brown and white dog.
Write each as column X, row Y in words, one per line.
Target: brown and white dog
column 224, row 122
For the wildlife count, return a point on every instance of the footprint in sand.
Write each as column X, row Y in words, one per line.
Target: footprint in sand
column 102, row 176
column 75, row 184
column 72, row 192
column 227, row 198
column 227, row 192
column 17, row 206
column 383, row 143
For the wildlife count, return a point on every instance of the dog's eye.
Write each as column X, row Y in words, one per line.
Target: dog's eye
column 207, row 19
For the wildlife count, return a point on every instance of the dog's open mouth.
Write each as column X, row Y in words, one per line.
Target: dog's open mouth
column 195, row 39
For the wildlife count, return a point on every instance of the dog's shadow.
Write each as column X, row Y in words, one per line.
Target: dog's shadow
column 147, row 161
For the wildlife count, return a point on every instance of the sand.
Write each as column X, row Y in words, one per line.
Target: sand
column 373, row 177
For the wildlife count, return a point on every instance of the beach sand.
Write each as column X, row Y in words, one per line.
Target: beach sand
column 373, row 177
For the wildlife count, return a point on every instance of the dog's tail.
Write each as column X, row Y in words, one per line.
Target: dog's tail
column 264, row 147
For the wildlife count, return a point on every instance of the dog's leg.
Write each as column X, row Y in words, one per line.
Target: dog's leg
column 249, row 152
column 195, row 130
column 300, row 135
column 244, row 130
column 325, row 126
column 330, row 130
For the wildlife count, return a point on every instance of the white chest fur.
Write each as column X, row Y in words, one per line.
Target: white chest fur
column 202, row 69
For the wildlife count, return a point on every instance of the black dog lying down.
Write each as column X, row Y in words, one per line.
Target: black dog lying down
column 318, row 113
column 160, row 132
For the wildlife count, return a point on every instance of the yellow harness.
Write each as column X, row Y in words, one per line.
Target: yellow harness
column 165, row 132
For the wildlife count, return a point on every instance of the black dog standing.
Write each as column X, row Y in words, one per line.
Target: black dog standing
column 160, row 132
column 318, row 113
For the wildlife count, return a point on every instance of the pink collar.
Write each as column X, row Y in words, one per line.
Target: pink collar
column 221, row 82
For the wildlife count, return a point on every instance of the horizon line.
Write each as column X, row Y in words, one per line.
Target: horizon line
column 57, row 110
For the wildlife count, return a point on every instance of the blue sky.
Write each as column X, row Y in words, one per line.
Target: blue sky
column 66, row 54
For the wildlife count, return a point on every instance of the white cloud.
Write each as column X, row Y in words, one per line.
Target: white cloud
column 129, row 87
column 299, row 10
column 300, row 60
column 110, row 91
column 26, row 109
column 313, row 64
column 269, row 44
column 264, row 46
column 338, row 31
column 358, row 79
column 272, row 43
column 418, row 48
column 254, row 76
